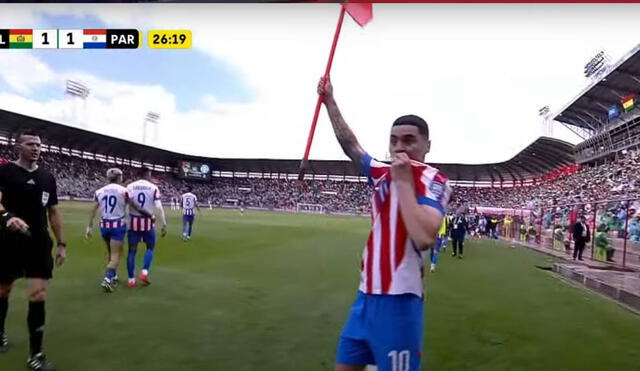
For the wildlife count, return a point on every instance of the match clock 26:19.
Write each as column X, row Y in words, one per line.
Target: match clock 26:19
column 169, row 39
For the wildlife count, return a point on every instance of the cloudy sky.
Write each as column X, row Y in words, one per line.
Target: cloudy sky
column 477, row 73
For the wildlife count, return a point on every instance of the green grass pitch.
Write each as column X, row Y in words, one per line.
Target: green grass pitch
column 270, row 292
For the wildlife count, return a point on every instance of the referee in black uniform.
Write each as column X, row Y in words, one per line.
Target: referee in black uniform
column 27, row 197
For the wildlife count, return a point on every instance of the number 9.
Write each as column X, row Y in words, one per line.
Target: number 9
column 141, row 199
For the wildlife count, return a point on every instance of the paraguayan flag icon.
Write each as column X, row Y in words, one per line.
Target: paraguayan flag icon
column 94, row 39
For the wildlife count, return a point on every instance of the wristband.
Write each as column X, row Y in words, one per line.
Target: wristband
column 62, row 244
column 5, row 216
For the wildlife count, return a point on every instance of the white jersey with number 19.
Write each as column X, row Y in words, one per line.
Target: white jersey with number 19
column 112, row 199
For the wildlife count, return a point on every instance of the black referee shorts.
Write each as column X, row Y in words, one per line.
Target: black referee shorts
column 25, row 256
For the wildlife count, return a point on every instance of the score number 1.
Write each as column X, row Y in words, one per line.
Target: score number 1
column 70, row 39
column 45, row 39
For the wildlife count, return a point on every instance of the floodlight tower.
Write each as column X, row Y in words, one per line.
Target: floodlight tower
column 78, row 91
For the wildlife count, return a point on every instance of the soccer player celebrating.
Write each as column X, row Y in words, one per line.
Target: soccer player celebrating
column 112, row 200
column 28, row 195
column 408, row 203
column 145, row 195
column 189, row 204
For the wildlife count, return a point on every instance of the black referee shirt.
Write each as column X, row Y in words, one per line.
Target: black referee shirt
column 28, row 194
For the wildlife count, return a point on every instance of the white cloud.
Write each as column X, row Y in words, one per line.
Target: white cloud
column 52, row 110
column 114, row 108
column 23, row 72
column 477, row 73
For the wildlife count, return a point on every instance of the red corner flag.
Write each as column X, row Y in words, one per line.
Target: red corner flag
column 362, row 13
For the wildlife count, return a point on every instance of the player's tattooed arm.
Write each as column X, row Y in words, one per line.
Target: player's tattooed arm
column 345, row 136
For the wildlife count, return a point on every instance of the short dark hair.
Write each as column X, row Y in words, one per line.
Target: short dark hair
column 26, row 132
column 413, row 120
column 144, row 171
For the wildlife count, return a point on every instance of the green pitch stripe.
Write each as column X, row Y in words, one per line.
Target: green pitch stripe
column 20, row 45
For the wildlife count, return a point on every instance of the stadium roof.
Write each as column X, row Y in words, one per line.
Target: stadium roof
column 542, row 156
column 589, row 110
column 74, row 138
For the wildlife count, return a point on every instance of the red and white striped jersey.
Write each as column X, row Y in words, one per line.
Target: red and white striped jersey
column 110, row 224
column 140, row 223
column 189, row 201
column 144, row 194
column 391, row 263
column 112, row 199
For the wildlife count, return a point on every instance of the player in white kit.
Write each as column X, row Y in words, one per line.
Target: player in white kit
column 141, row 228
column 112, row 200
column 189, row 205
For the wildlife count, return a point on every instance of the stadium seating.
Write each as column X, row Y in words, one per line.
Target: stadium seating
column 617, row 179
column 79, row 177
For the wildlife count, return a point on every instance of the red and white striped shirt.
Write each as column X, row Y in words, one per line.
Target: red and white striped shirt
column 391, row 263
column 140, row 223
column 112, row 223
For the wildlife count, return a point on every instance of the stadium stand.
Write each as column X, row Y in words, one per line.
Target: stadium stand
column 79, row 158
column 542, row 174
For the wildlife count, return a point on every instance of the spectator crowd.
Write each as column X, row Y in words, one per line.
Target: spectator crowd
column 617, row 179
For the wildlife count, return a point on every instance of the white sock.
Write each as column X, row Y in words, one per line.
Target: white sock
column 145, row 272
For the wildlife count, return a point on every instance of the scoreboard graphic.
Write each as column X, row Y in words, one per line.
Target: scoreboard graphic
column 194, row 170
column 92, row 39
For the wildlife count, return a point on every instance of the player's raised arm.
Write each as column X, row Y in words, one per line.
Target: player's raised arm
column 345, row 136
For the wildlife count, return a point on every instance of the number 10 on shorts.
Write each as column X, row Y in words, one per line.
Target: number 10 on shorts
column 400, row 360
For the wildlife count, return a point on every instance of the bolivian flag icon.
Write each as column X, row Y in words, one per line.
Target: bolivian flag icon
column 20, row 39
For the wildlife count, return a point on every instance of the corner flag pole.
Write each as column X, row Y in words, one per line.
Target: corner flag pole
column 304, row 164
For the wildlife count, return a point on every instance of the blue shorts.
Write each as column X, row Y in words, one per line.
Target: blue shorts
column 383, row 330
column 188, row 218
column 115, row 234
column 148, row 237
